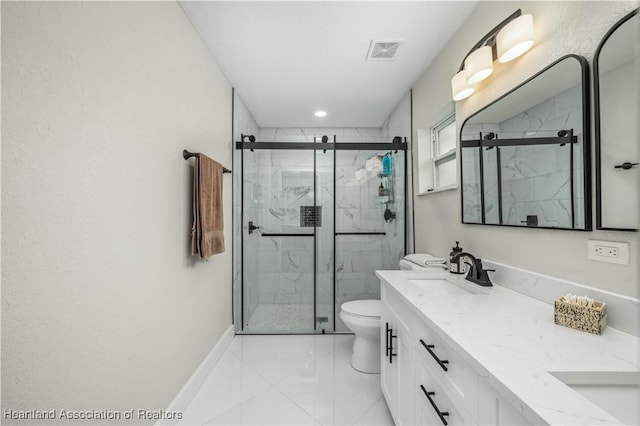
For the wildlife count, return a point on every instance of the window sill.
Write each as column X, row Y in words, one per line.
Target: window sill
column 442, row 189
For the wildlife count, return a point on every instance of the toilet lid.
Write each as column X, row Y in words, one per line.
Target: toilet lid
column 363, row 308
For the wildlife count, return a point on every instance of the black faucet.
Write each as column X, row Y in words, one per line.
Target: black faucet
column 477, row 274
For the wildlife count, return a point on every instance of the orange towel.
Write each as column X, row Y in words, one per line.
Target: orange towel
column 207, row 231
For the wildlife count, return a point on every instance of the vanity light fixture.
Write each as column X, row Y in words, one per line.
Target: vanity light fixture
column 510, row 39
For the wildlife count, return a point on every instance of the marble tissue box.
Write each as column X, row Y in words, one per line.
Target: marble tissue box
column 590, row 319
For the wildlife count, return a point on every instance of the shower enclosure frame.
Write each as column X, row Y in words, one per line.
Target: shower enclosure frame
column 398, row 144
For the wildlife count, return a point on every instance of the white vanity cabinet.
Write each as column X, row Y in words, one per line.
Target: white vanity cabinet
column 433, row 404
column 425, row 381
column 397, row 369
column 493, row 409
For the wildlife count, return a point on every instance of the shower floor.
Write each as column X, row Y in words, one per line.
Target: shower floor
column 281, row 318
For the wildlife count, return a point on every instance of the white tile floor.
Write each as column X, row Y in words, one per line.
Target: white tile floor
column 288, row 380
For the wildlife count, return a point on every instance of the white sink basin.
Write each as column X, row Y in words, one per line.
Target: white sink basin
column 617, row 393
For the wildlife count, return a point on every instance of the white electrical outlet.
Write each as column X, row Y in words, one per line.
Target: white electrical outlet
column 608, row 251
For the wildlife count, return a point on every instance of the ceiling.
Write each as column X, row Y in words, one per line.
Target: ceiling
column 288, row 59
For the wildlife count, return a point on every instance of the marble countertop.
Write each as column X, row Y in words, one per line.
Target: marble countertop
column 512, row 341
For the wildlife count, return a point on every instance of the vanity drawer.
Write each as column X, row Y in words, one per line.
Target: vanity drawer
column 457, row 377
column 432, row 404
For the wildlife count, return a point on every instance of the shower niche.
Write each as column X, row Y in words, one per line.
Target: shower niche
column 324, row 226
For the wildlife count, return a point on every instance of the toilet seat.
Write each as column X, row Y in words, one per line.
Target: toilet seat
column 363, row 308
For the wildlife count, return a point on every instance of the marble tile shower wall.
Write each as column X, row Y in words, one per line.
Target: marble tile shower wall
column 360, row 208
column 243, row 123
column 535, row 178
column 280, row 183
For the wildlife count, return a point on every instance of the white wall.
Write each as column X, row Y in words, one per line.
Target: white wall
column 561, row 28
column 102, row 305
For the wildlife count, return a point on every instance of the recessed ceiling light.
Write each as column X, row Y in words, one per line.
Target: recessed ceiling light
column 320, row 114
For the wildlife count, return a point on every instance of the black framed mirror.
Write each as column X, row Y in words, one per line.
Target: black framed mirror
column 616, row 68
column 525, row 158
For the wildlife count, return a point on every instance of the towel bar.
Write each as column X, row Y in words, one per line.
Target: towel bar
column 186, row 154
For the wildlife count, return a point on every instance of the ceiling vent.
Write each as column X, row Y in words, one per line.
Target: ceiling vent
column 383, row 50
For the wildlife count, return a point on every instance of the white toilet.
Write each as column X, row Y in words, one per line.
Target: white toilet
column 363, row 318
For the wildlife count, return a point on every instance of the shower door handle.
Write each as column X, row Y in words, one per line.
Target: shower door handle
column 270, row 234
column 361, row 233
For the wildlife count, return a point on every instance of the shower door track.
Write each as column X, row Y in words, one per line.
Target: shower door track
column 315, row 146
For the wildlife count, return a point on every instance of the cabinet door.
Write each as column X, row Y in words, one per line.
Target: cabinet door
column 397, row 370
column 403, row 346
column 493, row 409
column 388, row 369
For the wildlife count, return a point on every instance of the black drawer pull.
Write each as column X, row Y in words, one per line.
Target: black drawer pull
column 440, row 414
column 441, row 362
column 391, row 337
column 386, row 338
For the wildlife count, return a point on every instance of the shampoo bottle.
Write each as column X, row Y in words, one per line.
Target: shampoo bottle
column 386, row 165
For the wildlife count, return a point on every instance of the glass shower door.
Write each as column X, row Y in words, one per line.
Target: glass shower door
column 278, row 242
column 370, row 222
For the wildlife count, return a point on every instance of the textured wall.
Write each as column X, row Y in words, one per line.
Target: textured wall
column 102, row 306
column 561, row 28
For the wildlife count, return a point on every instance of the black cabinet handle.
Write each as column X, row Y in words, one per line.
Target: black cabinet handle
column 386, row 340
column 440, row 414
column 441, row 362
column 625, row 166
column 391, row 354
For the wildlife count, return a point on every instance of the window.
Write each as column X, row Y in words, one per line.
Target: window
column 437, row 155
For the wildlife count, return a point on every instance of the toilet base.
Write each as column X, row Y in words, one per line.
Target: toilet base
column 365, row 355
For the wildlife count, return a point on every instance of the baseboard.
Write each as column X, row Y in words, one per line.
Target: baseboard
column 193, row 385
